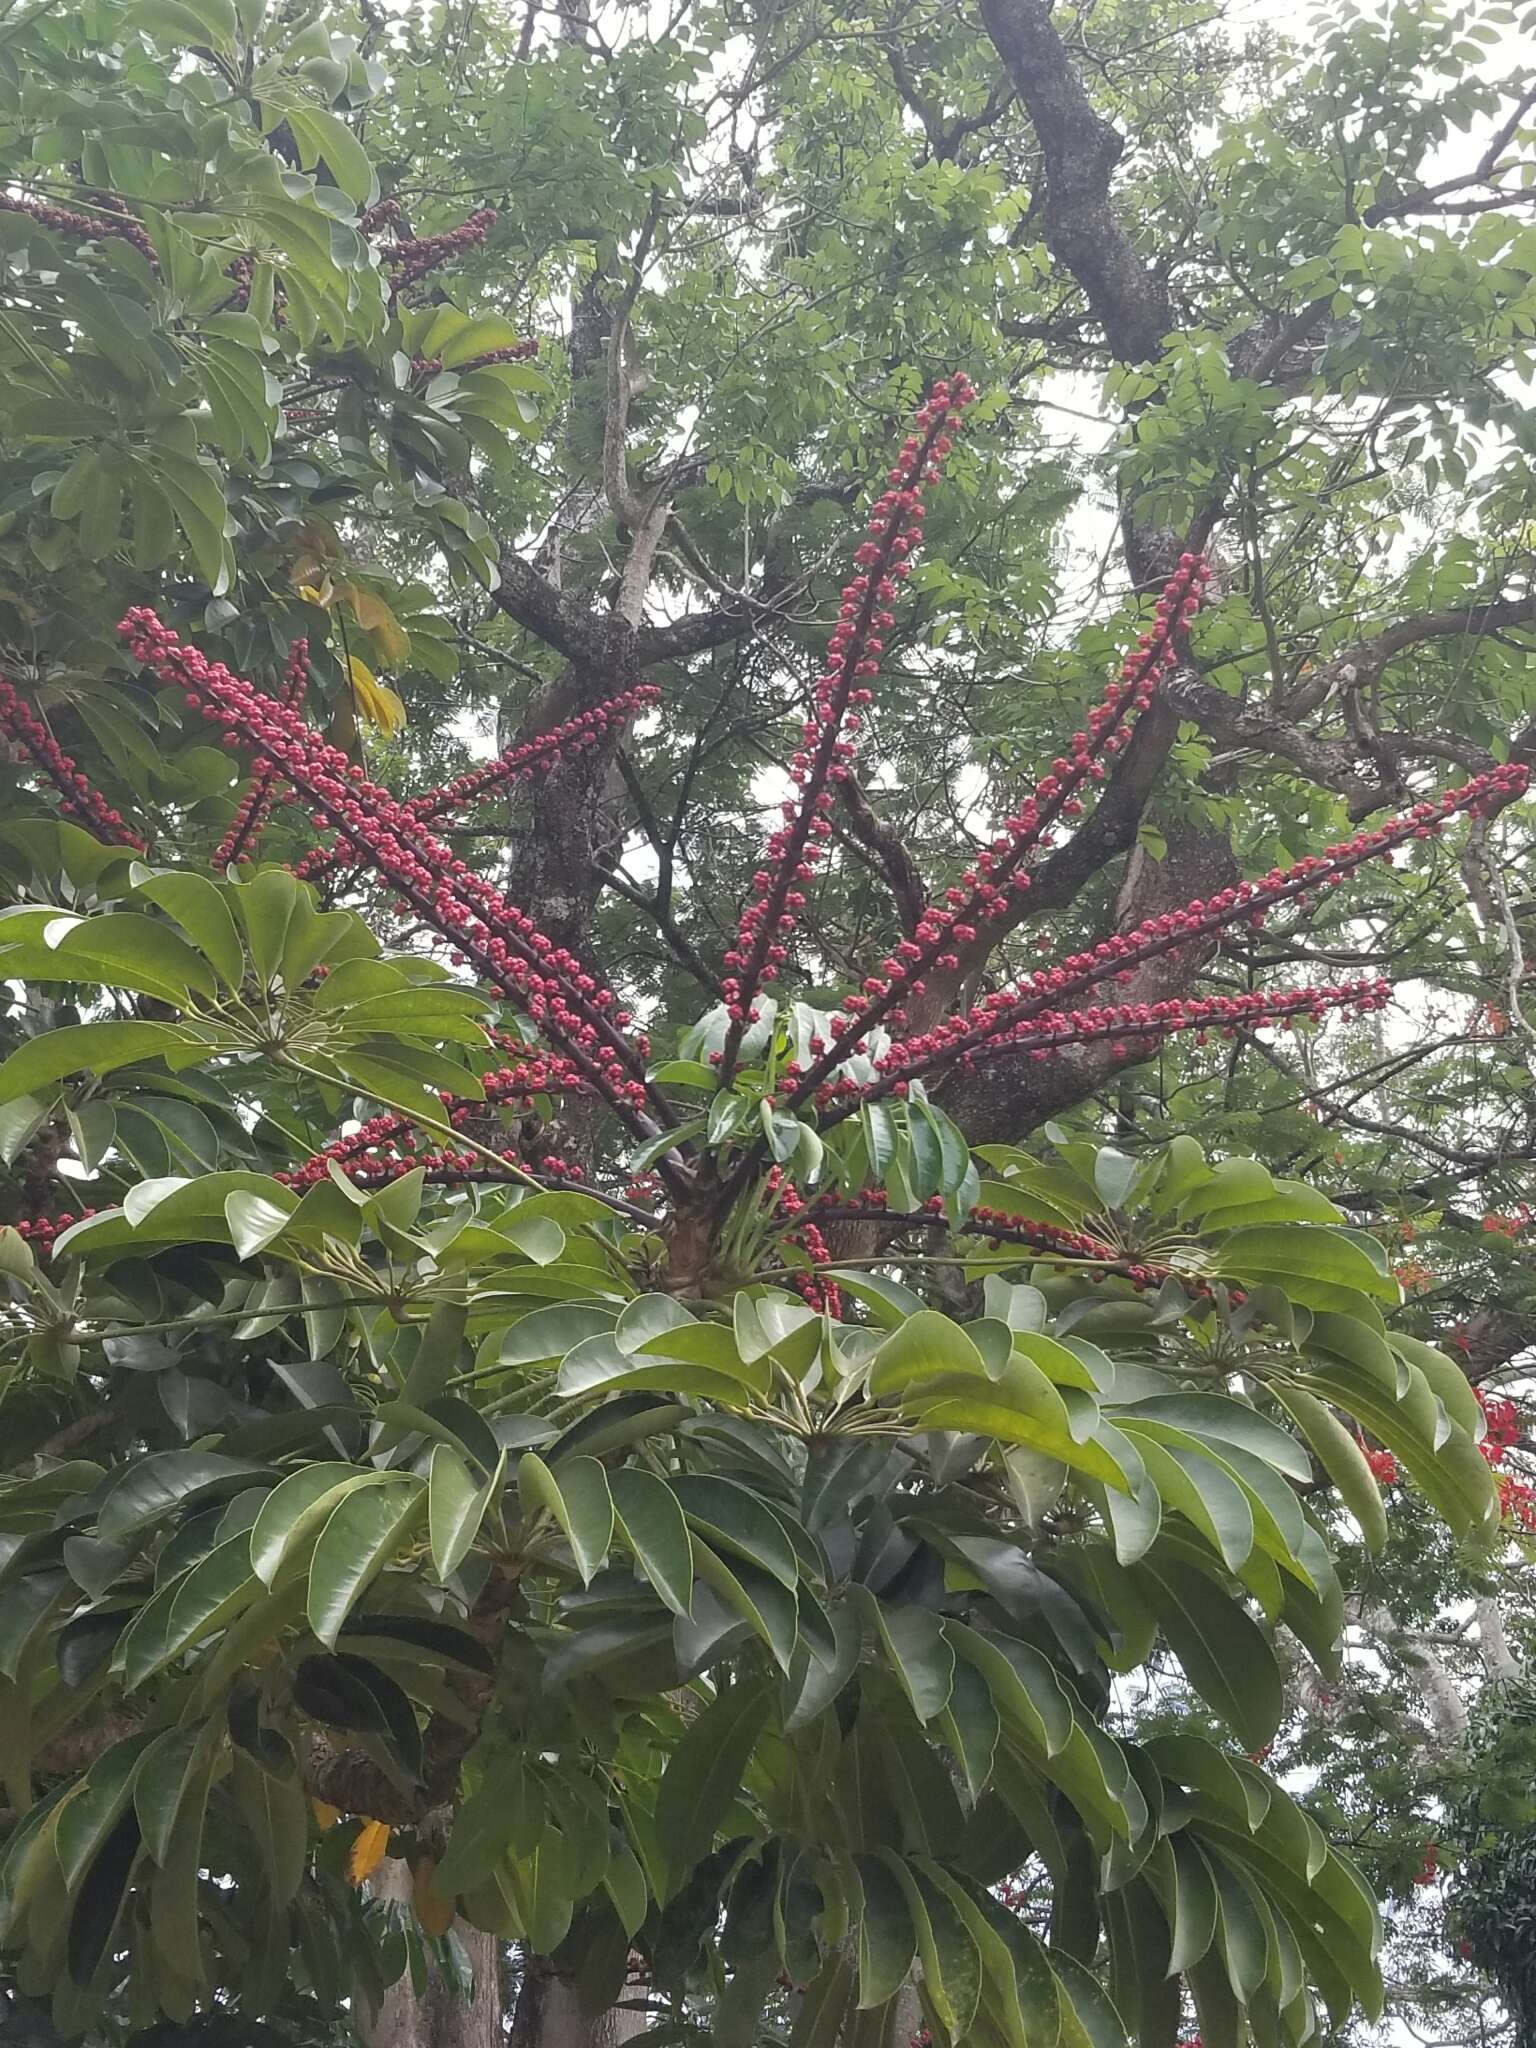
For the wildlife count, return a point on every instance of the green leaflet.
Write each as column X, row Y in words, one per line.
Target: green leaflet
column 364, row 1531
column 703, row 1777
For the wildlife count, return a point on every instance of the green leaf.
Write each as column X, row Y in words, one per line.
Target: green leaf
column 101, row 1048
column 916, row 1651
column 734, row 1519
column 1308, row 1261
column 652, row 1524
column 254, row 1222
column 578, row 1498
column 951, row 1960
column 1342, row 1459
column 155, row 1486
column 201, row 1601
column 1225, row 1655
column 320, row 134
column 456, row 1507
column 702, row 1780
column 298, row 1507
column 363, row 1532
column 887, row 1938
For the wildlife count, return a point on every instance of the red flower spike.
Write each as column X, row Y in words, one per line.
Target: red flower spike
column 956, row 1040
column 998, row 873
column 256, row 804
column 413, row 258
column 996, row 1017
column 517, row 764
column 892, row 532
column 77, row 799
column 503, row 942
column 113, row 222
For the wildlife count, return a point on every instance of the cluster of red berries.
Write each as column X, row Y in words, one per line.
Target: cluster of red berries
column 517, row 764
column 387, row 213
column 118, row 225
column 519, row 352
column 256, row 804
column 999, row 874
column 78, row 799
column 41, row 1231
column 893, row 532
column 957, row 1039
column 822, row 1295
column 414, row 257
column 506, row 947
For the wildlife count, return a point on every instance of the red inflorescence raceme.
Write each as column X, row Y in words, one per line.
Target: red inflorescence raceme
column 892, row 534
column 413, row 258
column 112, row 222
column 256, row 804
column 519, row 352
column 517, row 764
column 582, row 1018
column 788, row 1202
column 390, row 1140
column 951, row 1042
column 78, row 799
column 989, row 890
column 1000, row 1226
column 996, row 1021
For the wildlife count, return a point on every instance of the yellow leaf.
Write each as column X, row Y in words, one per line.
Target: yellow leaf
column 376, row 703
column 324, row 595
column 368, row 1851
column 433, row 1909
column 325, row 1816
column 375, row 617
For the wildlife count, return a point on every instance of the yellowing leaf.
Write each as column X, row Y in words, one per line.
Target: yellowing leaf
column 375, row 617
column 434, row 1909
column 322, row 594
column 325, row 1816
column 318, row 543
column 376, row 703
column 368, row 1851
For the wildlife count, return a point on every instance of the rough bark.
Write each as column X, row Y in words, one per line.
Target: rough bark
column 439, row 2018
column 549, row 2014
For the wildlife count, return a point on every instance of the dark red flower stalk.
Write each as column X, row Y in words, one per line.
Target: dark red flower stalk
column 582, row 1018
column 256, row 804
column 77, row 798
column 787, row 1200
column 112, row 223
column 415, row 256
column 1247, row 903
column 519, row 352
column 545, row 1073
column 387, row 213
column 949, row 1043
column 892, row 534
column 1052, row 1240
column 517, row 764
column 987, row 889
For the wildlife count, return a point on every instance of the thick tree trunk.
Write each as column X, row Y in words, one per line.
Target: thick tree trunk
column 549, row 2014
column 440, row 2018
